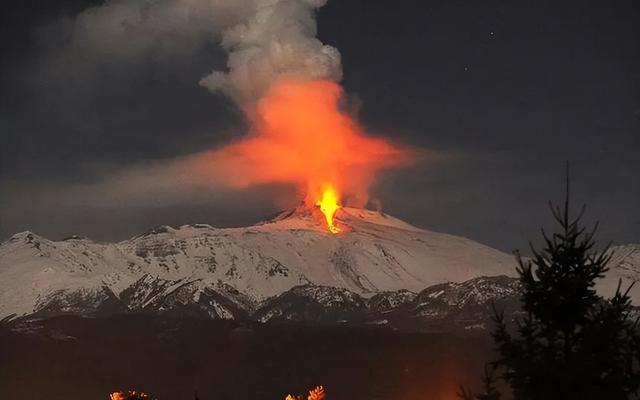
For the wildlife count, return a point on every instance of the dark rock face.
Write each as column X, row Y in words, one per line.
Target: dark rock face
column 81, row 302
column 74, row 358
column 468, row 305
column 318, row 304
column 385, row 302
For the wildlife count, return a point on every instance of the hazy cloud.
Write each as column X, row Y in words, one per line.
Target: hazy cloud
column 100, row 99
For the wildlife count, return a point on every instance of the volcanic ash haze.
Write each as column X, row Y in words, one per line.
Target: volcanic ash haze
column 301, row 136
column 283, row 78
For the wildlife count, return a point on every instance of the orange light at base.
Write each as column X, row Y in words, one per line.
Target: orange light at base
column 130, row 395
column 329, row 205
column 315, row 394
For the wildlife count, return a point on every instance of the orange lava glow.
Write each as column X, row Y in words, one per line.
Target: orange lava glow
column 130, row 395
column 329, row 205
column 314, row 394
column 301, row 135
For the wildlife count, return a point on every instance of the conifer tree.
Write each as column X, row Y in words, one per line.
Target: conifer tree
column 572, row 343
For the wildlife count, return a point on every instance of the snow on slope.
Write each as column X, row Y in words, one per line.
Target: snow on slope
column 228, row 271
column 624, row 266
column 626, row 260
column 374, row 253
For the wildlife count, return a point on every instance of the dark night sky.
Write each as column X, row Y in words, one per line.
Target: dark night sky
column 506, row 90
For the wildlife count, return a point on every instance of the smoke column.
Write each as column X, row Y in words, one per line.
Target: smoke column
column 278, row 73
column 302, row 137
column 285, row 80
column 277, row 40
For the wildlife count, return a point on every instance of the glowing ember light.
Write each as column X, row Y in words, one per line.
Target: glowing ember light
column 329, row 205
column 301, row 135
column 130, row 395
column 314, row 394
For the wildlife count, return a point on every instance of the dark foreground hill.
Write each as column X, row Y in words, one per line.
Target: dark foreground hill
column 73, row 358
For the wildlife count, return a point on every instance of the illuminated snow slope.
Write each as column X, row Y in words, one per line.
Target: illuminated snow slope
column 234, row 269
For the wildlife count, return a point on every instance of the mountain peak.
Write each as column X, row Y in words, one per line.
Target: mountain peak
column 347, row 218
column 373, row 254
column 25, row 235
column 27, row 238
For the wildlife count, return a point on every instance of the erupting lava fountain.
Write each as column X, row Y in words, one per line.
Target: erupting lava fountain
column 300, row 135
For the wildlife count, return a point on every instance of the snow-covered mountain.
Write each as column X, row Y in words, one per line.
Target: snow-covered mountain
column 466, row 305
column 377, row 263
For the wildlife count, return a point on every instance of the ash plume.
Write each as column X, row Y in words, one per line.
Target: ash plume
column 283, row 78
column 265, row 39
column 277, row 41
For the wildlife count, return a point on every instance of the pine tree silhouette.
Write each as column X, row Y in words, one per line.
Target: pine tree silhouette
column 571, row 343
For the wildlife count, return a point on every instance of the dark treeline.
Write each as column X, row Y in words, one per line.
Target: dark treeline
column 571, row 342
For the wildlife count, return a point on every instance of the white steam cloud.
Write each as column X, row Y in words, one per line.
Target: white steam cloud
column 265, row 39
column 277, row 40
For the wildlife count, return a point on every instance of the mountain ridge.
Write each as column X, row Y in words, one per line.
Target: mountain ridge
column 232, row 272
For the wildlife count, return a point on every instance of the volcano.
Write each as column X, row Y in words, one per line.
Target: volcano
column 376, row 262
